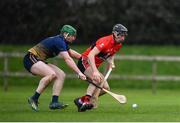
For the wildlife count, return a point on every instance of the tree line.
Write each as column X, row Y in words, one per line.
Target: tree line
column 148, row 21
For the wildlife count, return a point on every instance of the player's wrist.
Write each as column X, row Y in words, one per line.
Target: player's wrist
column 79, row 74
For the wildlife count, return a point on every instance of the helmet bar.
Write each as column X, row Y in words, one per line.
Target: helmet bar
column 123, row 33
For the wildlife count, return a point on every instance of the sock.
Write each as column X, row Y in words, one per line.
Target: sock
column 85, row 98
column 55, row 98
column 36, row 96
column 82, row 98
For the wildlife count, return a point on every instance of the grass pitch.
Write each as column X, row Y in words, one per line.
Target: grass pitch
column 164, row 106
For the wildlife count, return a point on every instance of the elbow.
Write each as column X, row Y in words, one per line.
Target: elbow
column 79, row 56
column 89, row 56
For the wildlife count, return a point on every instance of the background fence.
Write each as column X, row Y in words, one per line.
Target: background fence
column 5, row 73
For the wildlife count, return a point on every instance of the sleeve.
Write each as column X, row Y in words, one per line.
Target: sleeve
column 61, row 46
column 101, row 44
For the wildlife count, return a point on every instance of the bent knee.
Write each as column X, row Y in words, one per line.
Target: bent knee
column 107, row 88
column 61, row 74
column 52, row 76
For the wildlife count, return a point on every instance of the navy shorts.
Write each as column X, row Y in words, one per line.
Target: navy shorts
column 29, row 60
column 80, row 65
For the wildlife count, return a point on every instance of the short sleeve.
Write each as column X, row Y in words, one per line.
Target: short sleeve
column 61, row 46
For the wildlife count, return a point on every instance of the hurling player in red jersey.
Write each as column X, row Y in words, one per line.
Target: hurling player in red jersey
column 103, row 50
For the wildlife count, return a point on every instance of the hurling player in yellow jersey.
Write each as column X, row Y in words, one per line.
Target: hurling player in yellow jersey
column 35, row 62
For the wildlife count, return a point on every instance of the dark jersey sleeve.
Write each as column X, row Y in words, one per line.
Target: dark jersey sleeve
column 61, row 45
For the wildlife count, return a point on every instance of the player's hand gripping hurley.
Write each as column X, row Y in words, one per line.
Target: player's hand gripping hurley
column 120, row 98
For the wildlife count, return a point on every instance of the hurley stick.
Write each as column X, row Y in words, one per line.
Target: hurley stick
column 94, row 98
column 120, row 98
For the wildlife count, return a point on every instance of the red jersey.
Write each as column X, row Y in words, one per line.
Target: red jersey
column 107, row 47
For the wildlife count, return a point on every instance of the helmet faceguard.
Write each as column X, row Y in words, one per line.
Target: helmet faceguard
column 119, row 33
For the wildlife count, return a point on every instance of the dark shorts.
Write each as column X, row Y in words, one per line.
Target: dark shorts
column 29, row 60
column 82, row 65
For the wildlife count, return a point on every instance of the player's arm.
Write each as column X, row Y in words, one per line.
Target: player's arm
column 70, row 62
column 91, row 59
column 74, row 54
column 110, row 62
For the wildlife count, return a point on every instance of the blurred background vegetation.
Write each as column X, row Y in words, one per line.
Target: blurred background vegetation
column 154, row 30
column 148, row 21
column 151, row 24
column 123, row 67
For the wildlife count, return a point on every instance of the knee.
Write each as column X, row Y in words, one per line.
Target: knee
column 107, row 88
column 101, row 82
column 52, row 76
column 48, row 78
column 61, row 74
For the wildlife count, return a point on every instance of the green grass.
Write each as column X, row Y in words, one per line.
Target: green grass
column 162, row 107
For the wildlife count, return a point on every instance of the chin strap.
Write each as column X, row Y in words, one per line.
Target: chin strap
column 66, row 35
